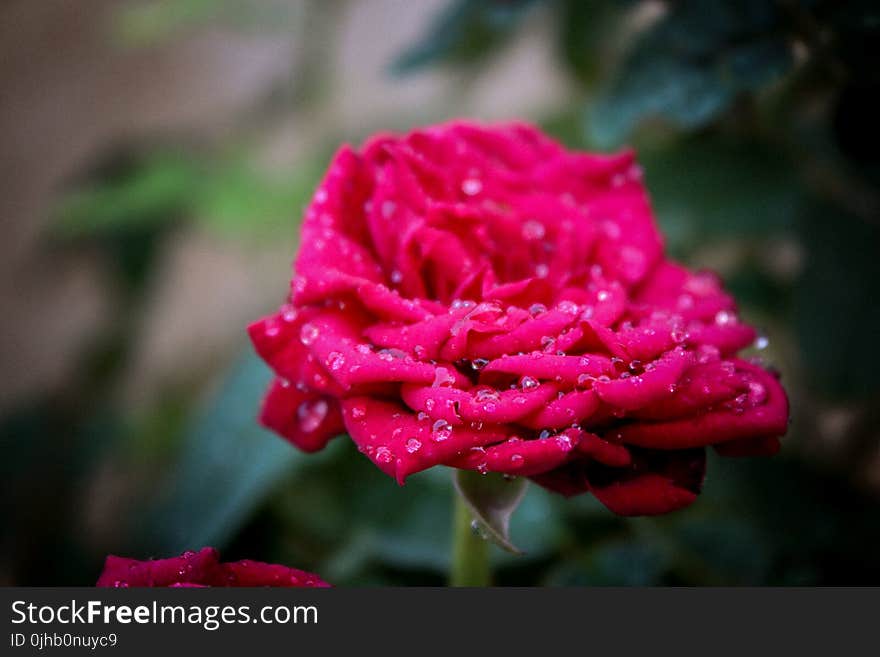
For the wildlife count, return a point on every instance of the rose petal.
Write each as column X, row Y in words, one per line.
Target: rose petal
column 526, row 337
column 483, row 404
column 654, row 484
column 571, row 408
column 650, row 387
column 306, row 418
column 401, row 444
column 519, row 457
column 200, row 569
column 334, row 341
column 257, row 573
column 566, row 370
column 718, row 425
column 601, row 450
column 277, row 340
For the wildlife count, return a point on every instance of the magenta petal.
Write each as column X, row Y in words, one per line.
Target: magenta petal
column 388, row 305
column 519, row 457
column 727, row 339
column 573, row 407
column 412, row 444
column 566, row 370
column 609, row 305
column 277, row 339
column 603, row 451
column 743, row 418
column 529, row 335
column 257, row 573
column 334, row 341
column 199, row 569
column 651, row 339
column 654, row 484
column 649, row 387
column 521, row 293
column 306, row 418
column 481, row 404
column 422, row 339
column 702, row 386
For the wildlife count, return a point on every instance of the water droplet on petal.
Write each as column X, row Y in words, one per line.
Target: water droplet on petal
column 311, row 414
column 757, row 393
column 308, row 334
column 568, row 307
column 537, row 309
column 441, row 430
column 335, row 361
column 484, row 394
column 442, row 376
column 528, row 383
column 724, row 317
column 471, row 186
column 383, row 454
column 533, row 230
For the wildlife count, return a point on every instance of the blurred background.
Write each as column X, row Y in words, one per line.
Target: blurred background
column 155, row 159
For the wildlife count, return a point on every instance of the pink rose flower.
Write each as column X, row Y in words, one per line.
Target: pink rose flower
column 482, row 298
column 202, row 568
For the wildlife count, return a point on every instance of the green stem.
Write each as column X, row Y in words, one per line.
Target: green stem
column 470, row 552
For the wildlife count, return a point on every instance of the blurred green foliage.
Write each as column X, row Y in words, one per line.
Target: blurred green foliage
column 148, row 23
column 228, row 194
column 756, row 127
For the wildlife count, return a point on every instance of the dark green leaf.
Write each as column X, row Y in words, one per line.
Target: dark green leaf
column 836, row 313
column 710, row 188
column 690, row 65
column 465, row 32
column 227, row 466
column 587, row 29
